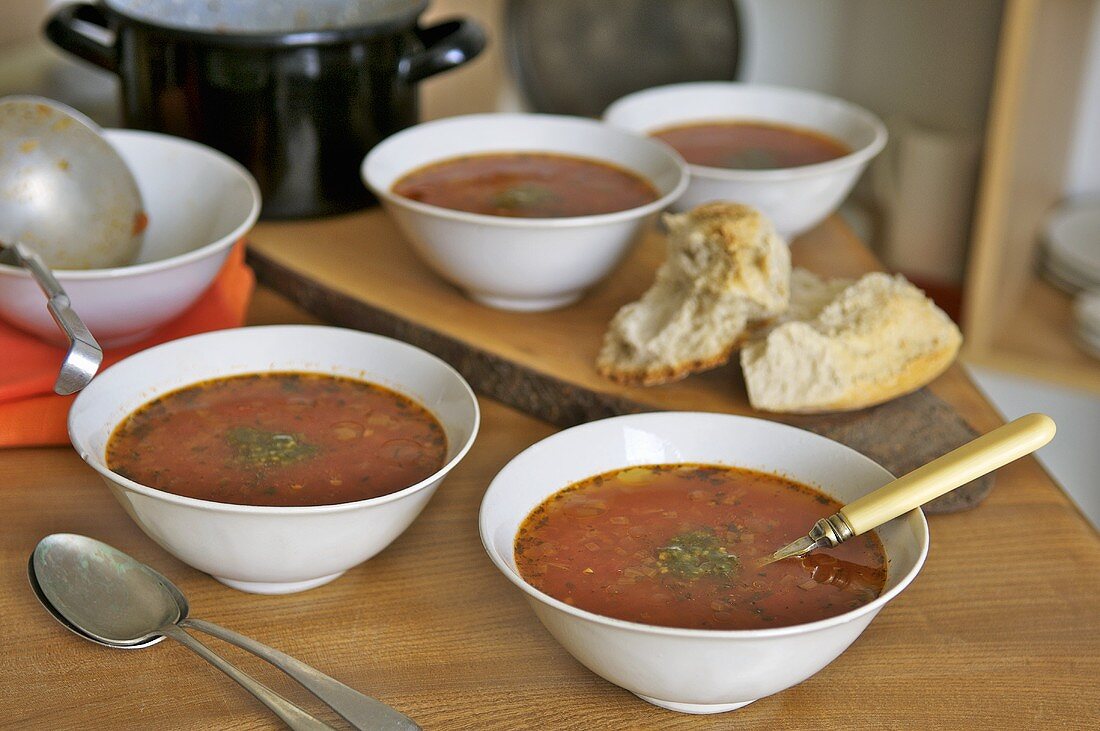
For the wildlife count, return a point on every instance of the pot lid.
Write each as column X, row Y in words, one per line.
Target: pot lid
column 266, row 17
column 578, row 56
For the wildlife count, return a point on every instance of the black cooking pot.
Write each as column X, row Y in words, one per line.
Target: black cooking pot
column 296, row 90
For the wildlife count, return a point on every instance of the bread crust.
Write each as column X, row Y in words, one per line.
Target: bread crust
column 874, row 340
column 660, row 375
column 917, row 374
column 727, row 272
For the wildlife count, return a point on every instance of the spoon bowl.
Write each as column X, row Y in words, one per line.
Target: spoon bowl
column 109, row 596
column 49, row 607
column 64, row 190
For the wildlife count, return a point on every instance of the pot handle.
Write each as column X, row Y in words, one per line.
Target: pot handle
column 446, row 45
column 68, row 29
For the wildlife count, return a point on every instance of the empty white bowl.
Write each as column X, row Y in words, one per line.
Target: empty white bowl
column 520, row 263
column 694, row 671
column 795, row 199
column 199, row 203
column 263, row 549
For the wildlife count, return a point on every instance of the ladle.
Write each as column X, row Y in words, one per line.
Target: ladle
column 981, row 456
column 64, row 190
column 67, row 201
column 104, row 595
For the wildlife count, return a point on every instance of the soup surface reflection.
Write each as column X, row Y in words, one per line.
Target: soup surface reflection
column 751, row 145
column 527, row 185
column 676, row 545
column 279, row 439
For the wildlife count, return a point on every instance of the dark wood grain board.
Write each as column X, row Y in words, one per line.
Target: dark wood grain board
column 307, row 262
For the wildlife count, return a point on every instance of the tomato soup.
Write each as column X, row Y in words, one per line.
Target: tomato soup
column 527, row 185
column 751, row 145
column 279, row 439
column 677, row 545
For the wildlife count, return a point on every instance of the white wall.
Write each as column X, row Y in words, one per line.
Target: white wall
column 20, row 19
column 929, row 60
column 1083, row 175
column 925, row 66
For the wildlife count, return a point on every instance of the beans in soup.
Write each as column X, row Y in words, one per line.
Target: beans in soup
column 279, row 439
column 677, row 545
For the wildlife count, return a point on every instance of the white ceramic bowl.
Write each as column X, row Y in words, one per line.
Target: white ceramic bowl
column 199, row 203
column 272, row 550
column 520, row 263
column 795, row 199
column 694, row 671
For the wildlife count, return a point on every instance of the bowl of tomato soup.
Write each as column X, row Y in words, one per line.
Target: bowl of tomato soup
column 793, row 154
column 522, row 211
column 275, row 458
column 636, row 541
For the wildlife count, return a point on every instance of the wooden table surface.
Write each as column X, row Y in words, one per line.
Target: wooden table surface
column 1001, row 630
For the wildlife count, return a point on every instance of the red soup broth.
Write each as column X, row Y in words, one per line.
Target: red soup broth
column 676, row 545
column 751, row 145
column 527, row 185
column 279, row 439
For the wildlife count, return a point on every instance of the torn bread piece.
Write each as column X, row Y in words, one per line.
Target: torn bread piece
column 727, row 270
column 871, row 341
column 810, row 294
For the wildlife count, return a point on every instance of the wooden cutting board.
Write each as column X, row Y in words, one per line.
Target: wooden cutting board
column 356, row 271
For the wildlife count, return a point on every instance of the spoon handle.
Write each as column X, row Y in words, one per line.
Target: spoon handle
column 979, row 457
column 361, row 711
column 292, row 715
column 85, row 355
column 972, row 460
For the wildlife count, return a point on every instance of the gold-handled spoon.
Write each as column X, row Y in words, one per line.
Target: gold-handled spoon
column 981, row 456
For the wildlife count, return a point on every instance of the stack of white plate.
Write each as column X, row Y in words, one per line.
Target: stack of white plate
column 1070, row 256
column 1086, row 314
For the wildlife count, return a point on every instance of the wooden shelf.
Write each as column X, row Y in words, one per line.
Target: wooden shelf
column 1037, row 339
column 1012, row 320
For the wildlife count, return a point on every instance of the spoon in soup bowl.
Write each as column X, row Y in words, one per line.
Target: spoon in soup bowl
column 67, row 201
column 978, row 457
column 110, row 598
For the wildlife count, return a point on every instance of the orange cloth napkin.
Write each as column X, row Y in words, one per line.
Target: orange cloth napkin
column 31, row 414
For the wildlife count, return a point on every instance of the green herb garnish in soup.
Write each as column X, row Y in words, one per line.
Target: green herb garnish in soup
column 740, row 145
column 677, row 545
column 527, row 196
column 262, row 448
column 279, row 439
column 527, row 185
column 694, row 554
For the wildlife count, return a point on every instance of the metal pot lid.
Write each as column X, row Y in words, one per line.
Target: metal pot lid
column 266, row 17
column 578, row 56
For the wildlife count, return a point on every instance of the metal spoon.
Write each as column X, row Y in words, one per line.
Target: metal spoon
column 64, row 190
column 110, row 598
column 979, row 457
column 68, row 201
column 84, row 356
